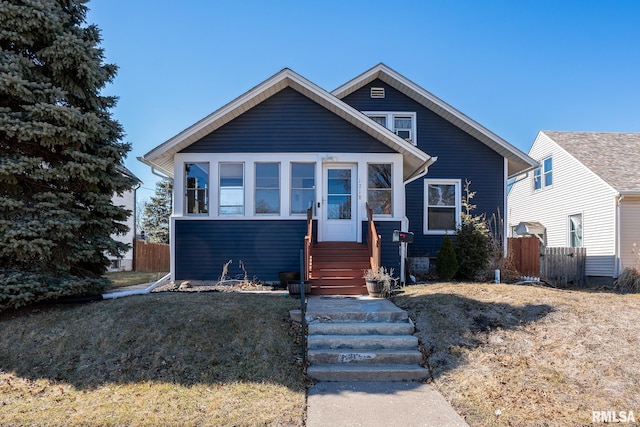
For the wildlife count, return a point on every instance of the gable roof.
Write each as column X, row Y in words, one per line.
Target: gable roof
column 613, row 156
column 161, row 157
column 518, row 161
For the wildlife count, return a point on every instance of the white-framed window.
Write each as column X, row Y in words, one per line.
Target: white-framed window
column 379, row 185
column 267, row 189
column 442, row 206
column 402, row 124
column 196, row 178
column 575, row 231
column 543, row 176
column 303, row 187
column 231, row 188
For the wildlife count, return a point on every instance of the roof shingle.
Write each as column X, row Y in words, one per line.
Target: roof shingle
column 613, row 156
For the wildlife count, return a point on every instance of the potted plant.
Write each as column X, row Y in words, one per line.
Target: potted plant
column 379, row 282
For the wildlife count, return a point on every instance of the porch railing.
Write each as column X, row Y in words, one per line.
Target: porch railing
column 373, row 241
column 308, row 245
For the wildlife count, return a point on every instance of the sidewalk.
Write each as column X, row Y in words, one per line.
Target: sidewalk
column 378, row 404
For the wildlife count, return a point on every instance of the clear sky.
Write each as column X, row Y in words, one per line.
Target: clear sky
column 516, row 67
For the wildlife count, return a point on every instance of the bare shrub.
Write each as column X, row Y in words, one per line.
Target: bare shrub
column 629, row 279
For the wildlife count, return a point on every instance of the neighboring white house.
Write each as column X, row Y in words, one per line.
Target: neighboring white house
column 128, row 200
column 586, row 193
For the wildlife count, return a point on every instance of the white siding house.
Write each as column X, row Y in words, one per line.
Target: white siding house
column 586, row 193
column 128, row 200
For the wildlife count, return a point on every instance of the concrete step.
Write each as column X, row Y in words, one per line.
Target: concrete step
column 367, row 372
column 364, row 357
column 362, row 342
column 319, row 287
column 362, row 316
column 360, row 328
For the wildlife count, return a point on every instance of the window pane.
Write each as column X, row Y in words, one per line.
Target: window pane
column 267, row 201
column 380, row 120
column 575, row 231
column 339, row 181
column 231, row 188
column 303, row 184
column 196, row 186
column 339, row 207
column 380, row 202
column 548, row 165
column 379, row 176
column 267, row 175
column 303, row 175
column 442, row 218
column 442, row 195
column 402, row 122
column 301, row 200
column 537, row 182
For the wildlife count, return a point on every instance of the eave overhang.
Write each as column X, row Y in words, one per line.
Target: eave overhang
column 162, row 157
column 518, row 161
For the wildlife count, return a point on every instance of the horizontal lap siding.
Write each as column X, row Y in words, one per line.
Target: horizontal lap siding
column 390, row 256
column 575, row 190
column 265, row 248
column 460, row 156
column 630, row 226
column 288, row 122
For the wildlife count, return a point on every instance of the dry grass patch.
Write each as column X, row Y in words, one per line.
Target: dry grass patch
column 528, row 356
column 159, row 359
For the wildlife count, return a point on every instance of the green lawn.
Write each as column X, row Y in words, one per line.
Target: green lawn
column 129, row 278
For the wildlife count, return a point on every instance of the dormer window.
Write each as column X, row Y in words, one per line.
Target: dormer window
column 401, row 123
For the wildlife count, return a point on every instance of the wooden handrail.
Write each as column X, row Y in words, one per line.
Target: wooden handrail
column 373, row 241
column 308, row 244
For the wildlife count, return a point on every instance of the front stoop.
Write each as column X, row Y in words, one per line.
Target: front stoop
column 361, row 339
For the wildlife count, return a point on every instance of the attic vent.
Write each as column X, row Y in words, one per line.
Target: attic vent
column 377, row 92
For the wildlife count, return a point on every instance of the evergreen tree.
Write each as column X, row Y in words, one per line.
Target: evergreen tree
column 446, row 263
column 60, row 153
column 472, row 239
column 157, row 212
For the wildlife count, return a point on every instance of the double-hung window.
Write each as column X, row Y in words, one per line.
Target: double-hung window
column 543, row 176
column 231, row 188
column 402, row 124
column 442, row 206
column 303, row 187
column 267, row 189
column 379, row 196
column 575, row 231
column 196, row 178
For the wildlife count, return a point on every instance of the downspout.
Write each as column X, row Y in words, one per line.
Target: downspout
column 618, row 259
column 111, row 295
column 417, row 174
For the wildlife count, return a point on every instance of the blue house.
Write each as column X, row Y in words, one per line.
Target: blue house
column 289, row 167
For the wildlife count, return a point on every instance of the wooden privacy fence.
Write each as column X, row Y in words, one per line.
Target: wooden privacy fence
column 564, row 266
column 559, row 266
column 151, row 257
column 525, row 254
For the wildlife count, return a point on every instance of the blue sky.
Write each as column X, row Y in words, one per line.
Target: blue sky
column 516, row 67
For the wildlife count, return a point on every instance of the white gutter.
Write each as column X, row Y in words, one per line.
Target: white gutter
column 130, row 292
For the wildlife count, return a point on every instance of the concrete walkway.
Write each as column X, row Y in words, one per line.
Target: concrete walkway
column 381, row 404
column 362, row 403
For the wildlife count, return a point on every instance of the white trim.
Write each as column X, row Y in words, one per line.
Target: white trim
column 458, row 207
column 520, row 161
column 162, row 157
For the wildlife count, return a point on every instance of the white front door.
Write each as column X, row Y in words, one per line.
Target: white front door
column 339, row 203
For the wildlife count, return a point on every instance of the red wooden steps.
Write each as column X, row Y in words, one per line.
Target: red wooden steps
column 338, row 267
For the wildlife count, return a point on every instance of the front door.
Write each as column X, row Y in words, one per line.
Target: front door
column 339, row 203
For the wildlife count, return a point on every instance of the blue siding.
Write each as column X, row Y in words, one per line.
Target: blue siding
column 265, row 248
column 460, row 156
column 390, row 256
column 288, row 122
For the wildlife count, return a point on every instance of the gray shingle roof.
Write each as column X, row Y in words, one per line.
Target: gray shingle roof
column 613, row 156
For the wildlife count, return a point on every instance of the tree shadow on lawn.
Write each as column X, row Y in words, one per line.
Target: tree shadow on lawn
column 207, row 338
column 448, row 325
